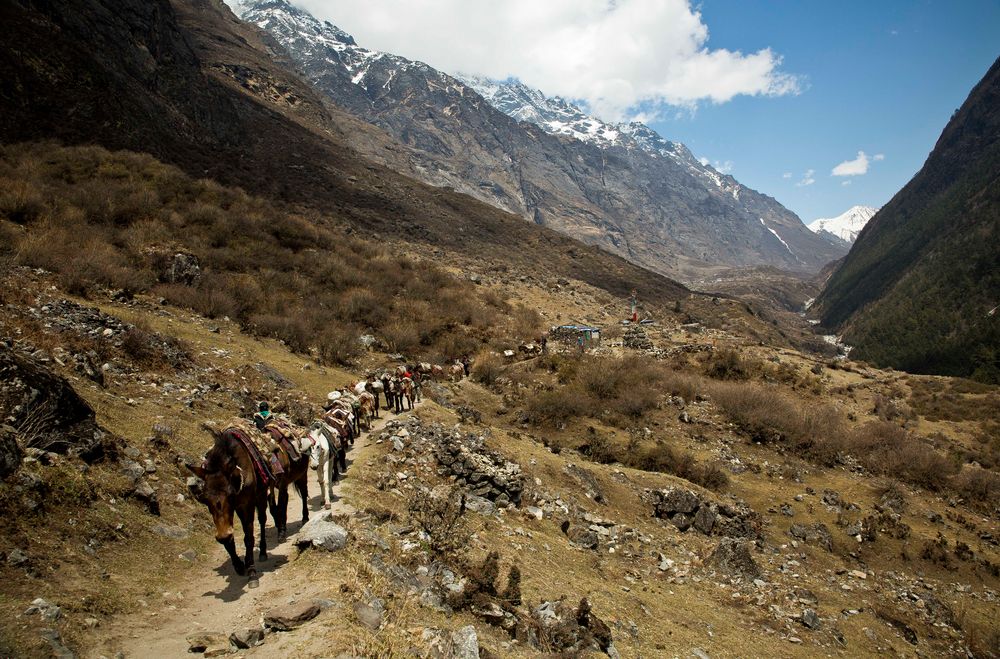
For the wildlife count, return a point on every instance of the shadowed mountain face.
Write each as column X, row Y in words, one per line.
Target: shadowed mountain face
column 919, row 289
column 619, row 186
column 188, row 82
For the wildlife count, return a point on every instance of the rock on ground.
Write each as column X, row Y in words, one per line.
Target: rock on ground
column 322, row 532
column 212, row 644
column 465, row 643
column 733, row 558
column 288, row 617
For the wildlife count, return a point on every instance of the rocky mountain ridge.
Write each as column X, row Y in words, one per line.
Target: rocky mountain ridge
column 622, row 187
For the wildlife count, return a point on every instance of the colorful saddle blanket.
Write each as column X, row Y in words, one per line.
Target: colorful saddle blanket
column 257, row 447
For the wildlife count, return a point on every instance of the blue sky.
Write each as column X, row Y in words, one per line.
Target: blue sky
column 879, row 77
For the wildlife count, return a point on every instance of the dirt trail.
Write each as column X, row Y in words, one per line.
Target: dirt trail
column 214, row 597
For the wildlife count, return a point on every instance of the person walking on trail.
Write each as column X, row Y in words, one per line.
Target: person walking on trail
column 579, row 343
column 417, row 384
column 263, row 415
column 465, row 364
column 543, row 342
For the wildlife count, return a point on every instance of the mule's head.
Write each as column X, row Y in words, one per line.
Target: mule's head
column 218, row 483
column 316, row 448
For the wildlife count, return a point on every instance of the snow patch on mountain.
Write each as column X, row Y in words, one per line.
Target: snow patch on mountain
column 846, row 226
column 775, row 233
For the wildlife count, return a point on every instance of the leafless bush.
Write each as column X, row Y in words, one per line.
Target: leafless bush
column 486, row 368
column 977, row 484
column 441, row 517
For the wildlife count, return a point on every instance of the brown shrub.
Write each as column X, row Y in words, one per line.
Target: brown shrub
column 486, row 368
column 885, row 448
column 442, row 519
column 728, row 364
column 977, row 484
column 556, row 406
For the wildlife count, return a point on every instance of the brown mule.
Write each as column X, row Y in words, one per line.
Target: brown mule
column 293, row 471
column 229, row 484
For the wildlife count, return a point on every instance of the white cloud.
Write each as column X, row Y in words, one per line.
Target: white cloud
column 858, row 166
column 611, row 54
column 808, row 178
column 721, row 166
column 847, row 182
column 786, row 175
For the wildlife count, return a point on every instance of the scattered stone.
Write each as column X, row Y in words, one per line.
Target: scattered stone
column 685, row 509
column 248, row 638
column 48, row 611
column 368, row 615
column 54, row 639
column 465, row 643
column 810, row 619
column 212, row 644
column 173, row 532
column 587, row 481
column 288, row 617
column 322, row 532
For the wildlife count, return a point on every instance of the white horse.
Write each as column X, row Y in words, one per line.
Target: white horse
column 326, row 451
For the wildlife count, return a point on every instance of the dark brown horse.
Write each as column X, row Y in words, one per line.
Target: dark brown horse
column 229, row 485
column 294, row 471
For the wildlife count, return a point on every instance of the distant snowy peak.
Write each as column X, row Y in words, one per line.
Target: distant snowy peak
column 846, row 226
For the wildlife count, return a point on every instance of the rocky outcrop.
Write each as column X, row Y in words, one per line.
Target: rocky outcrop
column 483, row 472
column 46, row 410
column 732, row 557
column 685, row 509
column 10, row 451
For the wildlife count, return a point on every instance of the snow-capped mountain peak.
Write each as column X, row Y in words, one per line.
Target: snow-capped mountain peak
column 846, row 226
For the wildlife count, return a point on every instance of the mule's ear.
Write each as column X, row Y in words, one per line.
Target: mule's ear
column 198, row 471
column 211, row 429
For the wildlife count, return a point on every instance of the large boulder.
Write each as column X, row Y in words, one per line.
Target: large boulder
column 184, row 268
column 322, row 532
column 288, row 617
column 732, row 557
column 60, row 421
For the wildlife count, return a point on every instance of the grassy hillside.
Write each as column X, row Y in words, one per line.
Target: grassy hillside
column 917, row 290
column 116, row 220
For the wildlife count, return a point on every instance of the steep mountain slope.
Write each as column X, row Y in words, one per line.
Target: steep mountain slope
column 845, row 226
column 919, row 289
column 622, row 187
column 189, row 83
